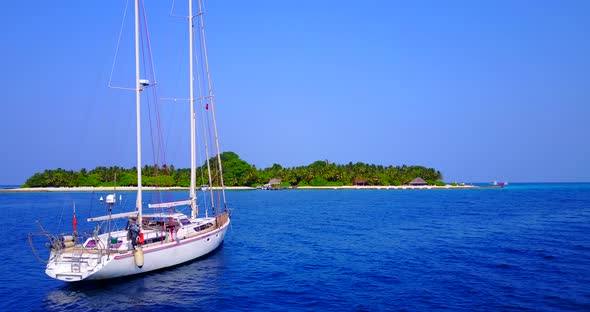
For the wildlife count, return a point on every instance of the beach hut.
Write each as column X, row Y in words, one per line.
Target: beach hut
column 417, row 181
column 360, row 182
column 273, row 184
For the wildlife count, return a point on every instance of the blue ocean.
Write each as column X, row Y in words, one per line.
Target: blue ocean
column 525, row 247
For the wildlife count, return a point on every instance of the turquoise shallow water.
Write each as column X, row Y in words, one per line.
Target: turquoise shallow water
column 525, row 247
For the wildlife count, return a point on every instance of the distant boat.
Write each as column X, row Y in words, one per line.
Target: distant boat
column 502, row 184
column 150, row 241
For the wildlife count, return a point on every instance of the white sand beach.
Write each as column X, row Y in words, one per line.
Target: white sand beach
column 389, row 187
column 240, row 188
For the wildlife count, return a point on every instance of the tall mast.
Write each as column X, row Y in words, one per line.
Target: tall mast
column 194, row 211
column 211, row 98
column 138, row 114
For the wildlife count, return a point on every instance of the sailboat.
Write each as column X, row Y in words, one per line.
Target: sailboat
column 153, row 240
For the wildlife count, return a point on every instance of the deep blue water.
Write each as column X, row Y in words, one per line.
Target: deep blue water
column 522, row 248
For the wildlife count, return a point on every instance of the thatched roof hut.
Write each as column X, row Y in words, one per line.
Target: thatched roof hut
column 360, row 182
column 418, row 181
column 274, row 181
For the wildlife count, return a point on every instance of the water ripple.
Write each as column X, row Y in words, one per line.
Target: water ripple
column 523, row 248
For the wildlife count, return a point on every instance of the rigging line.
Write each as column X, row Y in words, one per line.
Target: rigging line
column 178, row 56
column 200, row 100
column 175, row 59
column 201, row 69
column 168, row 57
column 154, row 154
column 194, row 102
column 209, row 132
column 159, row 151
column 149, row 110
column 91, row 203
column 201, row 168
column 118, row 42
column 172, row 10
column 154, row 90
column 218, row 206
column 59, row 224
column 210, row 89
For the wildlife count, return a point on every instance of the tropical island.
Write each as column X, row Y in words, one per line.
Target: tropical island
column 238, row 172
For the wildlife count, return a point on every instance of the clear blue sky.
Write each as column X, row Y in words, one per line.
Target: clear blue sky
column 481, row 90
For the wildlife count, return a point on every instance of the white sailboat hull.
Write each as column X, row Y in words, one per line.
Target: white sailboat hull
column 76, row 266
column 150, row 241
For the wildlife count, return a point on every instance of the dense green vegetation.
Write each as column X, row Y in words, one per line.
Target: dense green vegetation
column 237, row 172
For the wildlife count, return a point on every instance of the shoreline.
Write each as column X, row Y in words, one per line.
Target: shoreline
column 389, row 187
column 234, row 188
